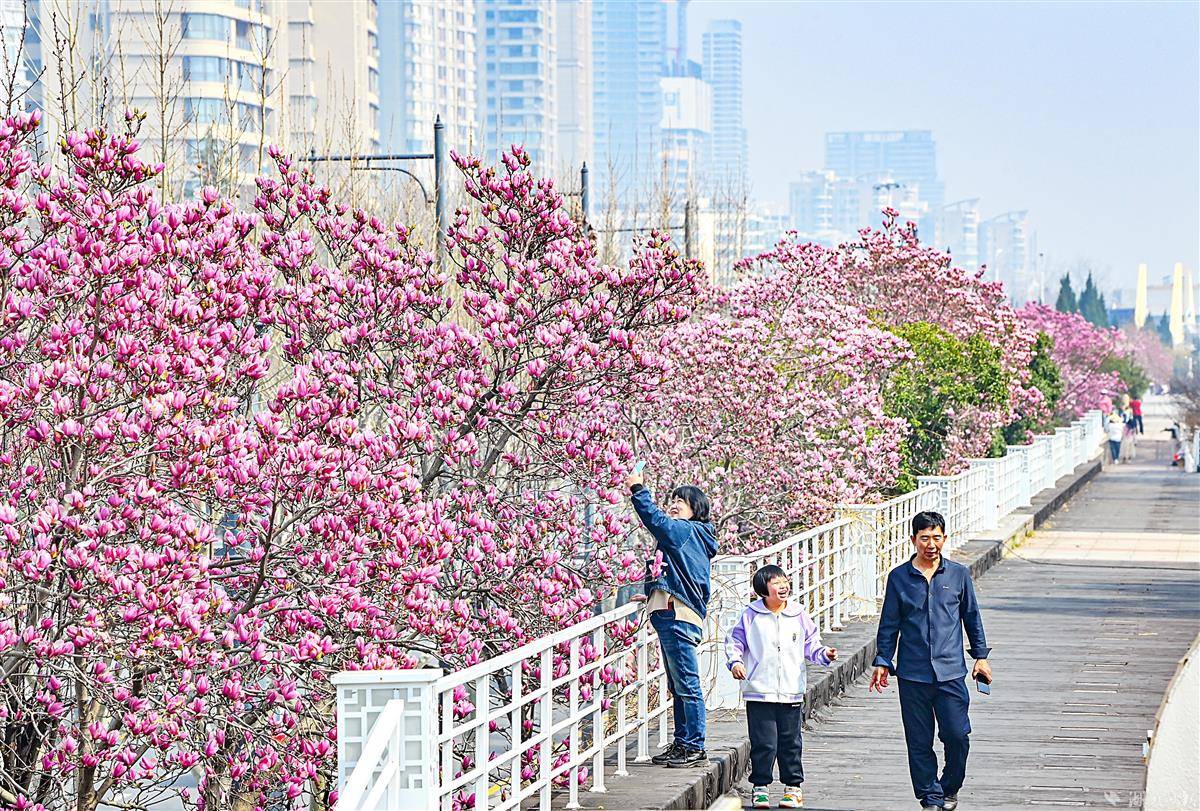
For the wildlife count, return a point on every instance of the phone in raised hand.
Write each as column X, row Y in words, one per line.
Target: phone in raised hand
column 639, row 466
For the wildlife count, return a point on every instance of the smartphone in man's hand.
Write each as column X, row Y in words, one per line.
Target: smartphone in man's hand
column 982, row 686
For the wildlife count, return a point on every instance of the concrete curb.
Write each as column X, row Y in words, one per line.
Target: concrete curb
column 729, row 763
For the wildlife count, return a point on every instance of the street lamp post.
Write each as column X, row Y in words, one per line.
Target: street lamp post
column 438, row 156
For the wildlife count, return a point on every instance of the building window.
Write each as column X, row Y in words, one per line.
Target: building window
column 372, row 80
column 206, row 26
column 251, row 77
column 204, row 111
column 205, row 69
column 251, row 36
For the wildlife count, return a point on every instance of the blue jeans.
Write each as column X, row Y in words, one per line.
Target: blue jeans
column 679, row 641
column 920, row 704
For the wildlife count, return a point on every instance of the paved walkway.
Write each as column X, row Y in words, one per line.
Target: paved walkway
column 1089, row 622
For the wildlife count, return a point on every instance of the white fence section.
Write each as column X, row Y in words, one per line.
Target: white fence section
column 562, row 713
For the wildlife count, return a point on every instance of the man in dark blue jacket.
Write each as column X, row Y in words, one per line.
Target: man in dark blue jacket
column 677, row 602
column 928, row 602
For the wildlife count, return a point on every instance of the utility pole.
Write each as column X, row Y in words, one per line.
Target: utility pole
column 439, row 188
column 689, row 229
column 583, row 190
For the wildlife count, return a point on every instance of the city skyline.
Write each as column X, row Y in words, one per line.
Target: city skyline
column 1096, row 140
column 611, row 81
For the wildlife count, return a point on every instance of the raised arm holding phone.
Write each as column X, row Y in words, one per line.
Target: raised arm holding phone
column 676, row 603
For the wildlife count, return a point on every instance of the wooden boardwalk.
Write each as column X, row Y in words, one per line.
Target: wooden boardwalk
column 1088, row 624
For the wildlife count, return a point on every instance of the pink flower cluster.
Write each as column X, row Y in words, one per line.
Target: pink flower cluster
column 1080, row 350
column 773, row 405
column 775, row 402
column 245, row 450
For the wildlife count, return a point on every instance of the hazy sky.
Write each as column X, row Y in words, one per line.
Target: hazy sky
column 1085, row 113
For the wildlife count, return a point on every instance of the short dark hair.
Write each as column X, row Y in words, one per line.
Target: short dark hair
column 764, row 576
column 695, row 499
column 927, row 520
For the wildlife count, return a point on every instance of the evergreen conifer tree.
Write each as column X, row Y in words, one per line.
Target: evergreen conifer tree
column 1066, row 296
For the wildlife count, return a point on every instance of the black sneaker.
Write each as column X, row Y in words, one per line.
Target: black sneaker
column 687, row 758
column 665, row 755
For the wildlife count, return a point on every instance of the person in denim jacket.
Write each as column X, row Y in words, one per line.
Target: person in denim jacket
column 677, row 602
column 766, row 652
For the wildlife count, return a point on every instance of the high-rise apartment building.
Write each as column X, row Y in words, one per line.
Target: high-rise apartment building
column 220, row 81
column 722, row 61
column 959, row 233
column 575, row 132
column 427, row 69
column 629, row 53
column 207, row 74
column 909, row 156
column 810, row 204
column 14, row 58
column 518, row 78
column 686, row 134
column 334, row 75
column 1004, row 248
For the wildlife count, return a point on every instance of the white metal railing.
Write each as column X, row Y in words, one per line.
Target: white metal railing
column 565, row 711
column 885, row 529
column 965, row 502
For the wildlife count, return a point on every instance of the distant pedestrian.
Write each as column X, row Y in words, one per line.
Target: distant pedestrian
column 677, row 602
column 1115, row 429
column 766, row 652
column 928, row 603
column 1135, row 405
column 1129, row 439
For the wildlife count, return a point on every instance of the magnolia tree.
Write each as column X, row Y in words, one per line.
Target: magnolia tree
column 891, row 273
column 1081, row 351
column 889, row 276
column 773, row 405
column 242, row 451
column 1144, row 347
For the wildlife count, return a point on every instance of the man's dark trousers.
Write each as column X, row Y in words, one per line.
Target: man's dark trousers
column 920, row 704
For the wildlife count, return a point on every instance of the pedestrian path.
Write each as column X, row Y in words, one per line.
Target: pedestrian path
column 1088, row 621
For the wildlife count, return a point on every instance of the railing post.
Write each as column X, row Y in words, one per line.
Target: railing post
column 942, row 485
column 1021, row 454
column 1064, row 453
column 731, row 593
column 991, row 491
column 864, row 551
column 408, row 767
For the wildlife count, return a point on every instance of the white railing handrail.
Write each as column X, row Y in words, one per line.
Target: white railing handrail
column 790, row 541
column 840, row 562
column 529, row 649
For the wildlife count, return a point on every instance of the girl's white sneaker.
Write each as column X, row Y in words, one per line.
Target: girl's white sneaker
column 793, row 797
column 761, row 798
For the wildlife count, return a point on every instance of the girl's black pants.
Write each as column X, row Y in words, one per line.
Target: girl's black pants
column 775, row 735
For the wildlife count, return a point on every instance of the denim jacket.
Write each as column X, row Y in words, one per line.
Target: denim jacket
column 687, row 547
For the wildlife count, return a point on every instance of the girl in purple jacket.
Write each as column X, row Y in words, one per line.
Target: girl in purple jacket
column 766, row 652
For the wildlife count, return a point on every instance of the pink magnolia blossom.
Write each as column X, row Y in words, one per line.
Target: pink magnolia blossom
column 1080, row 350
column 246, row 450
